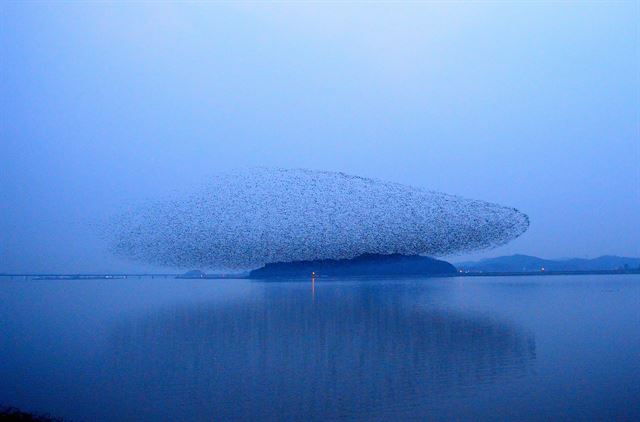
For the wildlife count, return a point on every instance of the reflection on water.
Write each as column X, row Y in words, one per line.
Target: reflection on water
column 506, row 348
column 289, row 352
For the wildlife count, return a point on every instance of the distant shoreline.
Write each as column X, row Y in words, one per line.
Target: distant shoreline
column 123, row 276
column 530, row 273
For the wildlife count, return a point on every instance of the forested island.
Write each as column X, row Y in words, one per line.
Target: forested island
column 362, row 265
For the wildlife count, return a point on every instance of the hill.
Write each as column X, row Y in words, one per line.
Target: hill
column 525, row 263
column 366, row 264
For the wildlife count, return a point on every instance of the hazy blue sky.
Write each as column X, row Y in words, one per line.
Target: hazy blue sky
column 531, row 105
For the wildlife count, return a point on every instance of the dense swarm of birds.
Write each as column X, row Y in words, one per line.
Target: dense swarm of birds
column 245, row 219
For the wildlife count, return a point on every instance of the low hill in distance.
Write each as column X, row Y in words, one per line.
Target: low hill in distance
column 526, row 263
column 363, row 265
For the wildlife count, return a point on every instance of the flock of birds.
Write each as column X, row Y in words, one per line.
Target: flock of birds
column 247, row 218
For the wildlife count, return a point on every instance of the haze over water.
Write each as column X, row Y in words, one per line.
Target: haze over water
column 528, row 348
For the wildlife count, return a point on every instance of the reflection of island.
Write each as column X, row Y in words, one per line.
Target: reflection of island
column 277, row 355
column 363, row 265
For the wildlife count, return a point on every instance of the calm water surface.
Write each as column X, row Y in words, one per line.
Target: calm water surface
column 526, row 348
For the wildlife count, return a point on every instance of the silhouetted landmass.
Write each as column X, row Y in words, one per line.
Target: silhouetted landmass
column 12, row 414
column 526, row 263
column 363, row 265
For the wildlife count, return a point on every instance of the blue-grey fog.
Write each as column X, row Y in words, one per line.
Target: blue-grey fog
column 104, row 105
